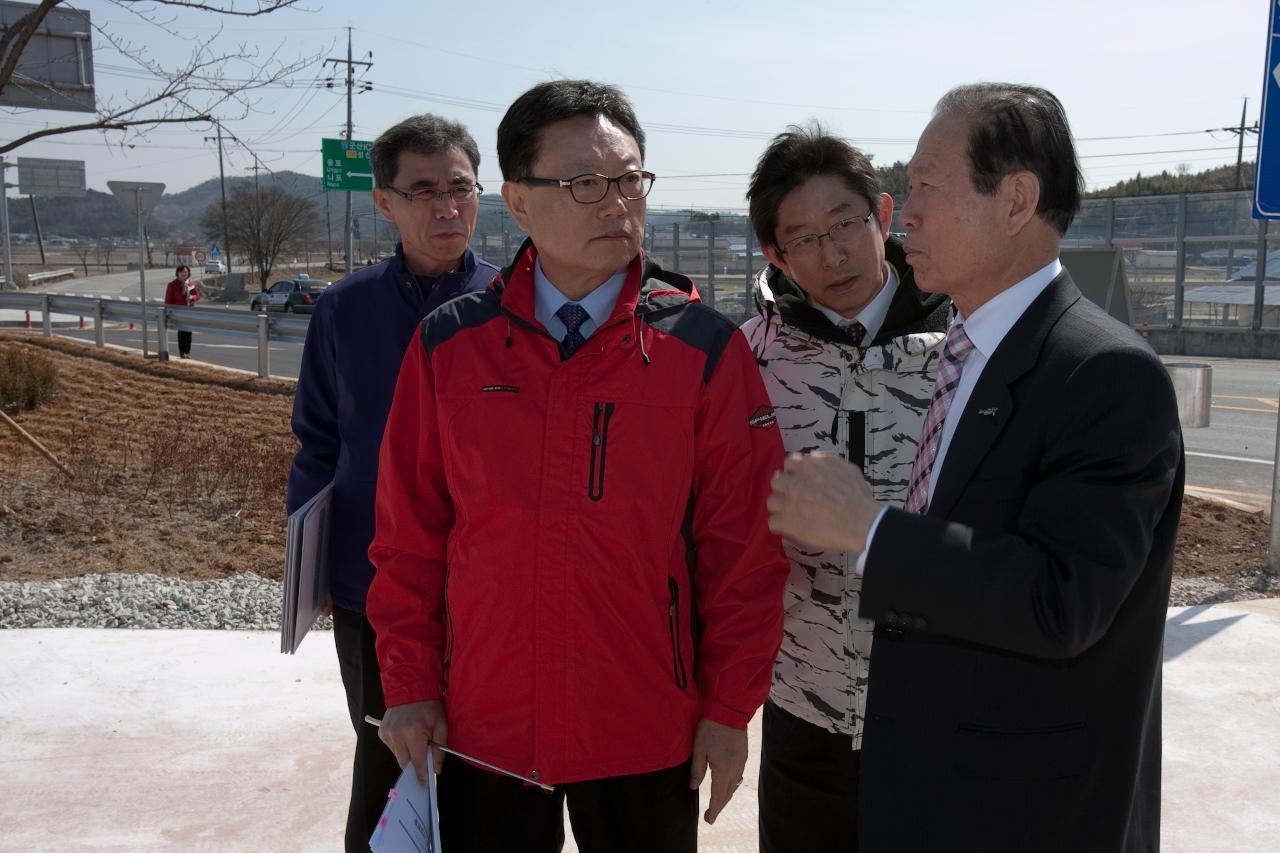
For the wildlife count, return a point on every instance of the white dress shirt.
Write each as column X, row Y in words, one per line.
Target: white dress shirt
column 872, row 314
column 986, row 330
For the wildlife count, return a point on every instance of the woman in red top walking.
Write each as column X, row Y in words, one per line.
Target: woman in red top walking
column 184, row 292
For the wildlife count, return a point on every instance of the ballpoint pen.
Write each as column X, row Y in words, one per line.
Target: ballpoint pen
column 374, row 721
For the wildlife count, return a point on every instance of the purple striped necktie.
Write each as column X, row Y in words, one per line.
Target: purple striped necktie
column 955, row 352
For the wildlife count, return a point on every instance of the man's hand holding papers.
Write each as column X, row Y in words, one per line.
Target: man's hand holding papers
column 408, row 729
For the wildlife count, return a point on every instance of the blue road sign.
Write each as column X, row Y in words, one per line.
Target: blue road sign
column 1266, row 189
column 355, row 227
column 215, row 251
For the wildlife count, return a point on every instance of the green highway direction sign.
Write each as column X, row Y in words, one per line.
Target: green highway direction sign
column 346, row 165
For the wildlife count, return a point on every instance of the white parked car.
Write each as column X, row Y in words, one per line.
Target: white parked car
column 213, row 266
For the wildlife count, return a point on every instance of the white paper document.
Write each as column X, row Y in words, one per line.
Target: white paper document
column 411, row 822
column 306, row 568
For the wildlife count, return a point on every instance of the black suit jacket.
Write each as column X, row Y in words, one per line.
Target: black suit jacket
column 1014, row 702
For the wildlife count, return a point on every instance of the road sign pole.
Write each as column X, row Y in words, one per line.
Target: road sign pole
column 4, row 225
column 142, row 271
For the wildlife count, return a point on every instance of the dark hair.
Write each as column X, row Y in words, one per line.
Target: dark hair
column 793, row 157
column 520, row 131
column 424, row 134
column 178, row 270
column 1014, row 128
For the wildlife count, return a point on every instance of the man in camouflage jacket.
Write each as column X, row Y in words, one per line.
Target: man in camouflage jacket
column 849, row 348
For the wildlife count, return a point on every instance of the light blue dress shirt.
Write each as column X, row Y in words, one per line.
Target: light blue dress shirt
column 598, row 304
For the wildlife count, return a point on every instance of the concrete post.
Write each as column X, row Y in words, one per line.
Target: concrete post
column 264, row 347
column 99, row 336
column 162, row 333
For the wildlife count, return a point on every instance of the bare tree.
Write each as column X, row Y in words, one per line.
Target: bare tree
column 264, row 224
column 211, row 82
column 82, row 250
column 106, row 247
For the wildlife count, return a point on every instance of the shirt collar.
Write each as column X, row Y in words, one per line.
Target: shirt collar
column 598, row 303
column 995, row 317
column 872, row 314
column 466, row 266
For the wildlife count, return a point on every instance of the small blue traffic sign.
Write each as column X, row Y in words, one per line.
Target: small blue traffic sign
column 215, row 251
column 1266, row 190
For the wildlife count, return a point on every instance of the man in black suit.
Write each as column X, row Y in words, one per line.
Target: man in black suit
column 1020, row 608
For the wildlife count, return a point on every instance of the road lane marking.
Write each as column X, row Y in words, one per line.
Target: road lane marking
column 1232, row 458
column 1243, row 409
column 1266, row 401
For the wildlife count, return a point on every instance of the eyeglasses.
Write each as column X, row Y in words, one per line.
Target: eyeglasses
column 844, row 234
column 460, row 193
column 591, row 188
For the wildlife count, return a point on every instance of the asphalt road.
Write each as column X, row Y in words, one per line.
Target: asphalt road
column 1234, row 457
column 225, row 350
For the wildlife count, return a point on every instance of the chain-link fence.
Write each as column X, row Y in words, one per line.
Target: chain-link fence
column 1191, row 260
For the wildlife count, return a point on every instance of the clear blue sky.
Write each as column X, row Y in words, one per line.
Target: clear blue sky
column 711, row 80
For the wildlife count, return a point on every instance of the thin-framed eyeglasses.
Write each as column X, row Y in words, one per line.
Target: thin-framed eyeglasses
column 460, row 193
column 590, row 188
column 844, row 234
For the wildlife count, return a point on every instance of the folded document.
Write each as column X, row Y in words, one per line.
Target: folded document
column 306, row 568
column 411, row 822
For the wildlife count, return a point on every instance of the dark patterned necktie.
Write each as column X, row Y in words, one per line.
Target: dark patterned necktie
column 857, row 332
column 573, row 316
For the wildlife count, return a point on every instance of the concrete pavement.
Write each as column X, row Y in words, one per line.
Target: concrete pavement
column 193, row 741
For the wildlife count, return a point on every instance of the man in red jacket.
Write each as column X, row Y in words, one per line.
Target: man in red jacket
column 183, row 292
column 575, row 580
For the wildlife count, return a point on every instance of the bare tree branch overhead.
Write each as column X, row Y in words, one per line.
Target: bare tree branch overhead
column 218, row 80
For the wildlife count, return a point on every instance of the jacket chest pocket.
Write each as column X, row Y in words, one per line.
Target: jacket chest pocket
column 636, row 453
column 596, row 468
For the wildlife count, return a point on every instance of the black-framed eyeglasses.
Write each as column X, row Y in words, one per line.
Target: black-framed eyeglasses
column 460, row 193
column 590, row 188
column 844, row 234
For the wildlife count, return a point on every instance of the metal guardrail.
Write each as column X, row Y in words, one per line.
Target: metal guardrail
column 50, row 275
column 281, row 329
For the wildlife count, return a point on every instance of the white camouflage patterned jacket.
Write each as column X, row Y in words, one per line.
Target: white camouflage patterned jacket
column 867, row 405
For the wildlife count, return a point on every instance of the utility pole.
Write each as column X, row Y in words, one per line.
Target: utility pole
column 328, row 228
column 257, row 194
column 222, row 182
column 1240, row 149
column 1239, row 131
column 351, row 82
column 4, row 224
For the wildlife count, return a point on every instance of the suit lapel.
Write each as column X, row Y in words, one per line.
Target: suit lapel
column 992, row 402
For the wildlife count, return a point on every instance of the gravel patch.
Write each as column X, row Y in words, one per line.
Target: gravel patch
column 240, row 602
column 249, row 602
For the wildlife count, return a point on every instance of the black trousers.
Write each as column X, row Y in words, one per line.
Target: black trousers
column 376, row 770
column 184, row 343
column 482, row 812
column 808, row 787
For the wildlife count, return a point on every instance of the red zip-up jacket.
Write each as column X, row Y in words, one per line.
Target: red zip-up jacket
column 575, row 554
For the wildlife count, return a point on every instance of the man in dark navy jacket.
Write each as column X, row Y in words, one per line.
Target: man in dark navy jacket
column 424, row 170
